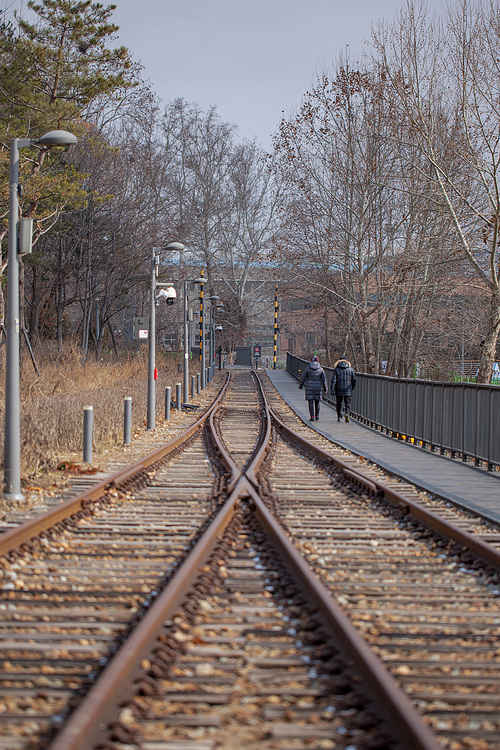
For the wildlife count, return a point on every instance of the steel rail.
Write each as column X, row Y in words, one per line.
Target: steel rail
column 226, row 457
column 86, row 725
column 84, row 728
column 391, row 701
column 26, row 532
column 260, row 454
column 481, row 549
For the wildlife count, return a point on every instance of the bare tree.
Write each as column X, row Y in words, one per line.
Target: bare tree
column 360, row 237
column 446, row 82
column 224, row 200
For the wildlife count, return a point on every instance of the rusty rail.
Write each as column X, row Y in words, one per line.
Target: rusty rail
column 100, row 705
column 84, row 728
column 482, row 550
column 24, row 533
column 392, row 703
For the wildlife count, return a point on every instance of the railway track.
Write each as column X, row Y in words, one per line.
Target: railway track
column 168, row 609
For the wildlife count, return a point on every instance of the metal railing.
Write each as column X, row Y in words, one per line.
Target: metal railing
column 458, row 419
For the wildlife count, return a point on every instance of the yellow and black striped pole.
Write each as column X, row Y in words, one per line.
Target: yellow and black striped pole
column 275, row 324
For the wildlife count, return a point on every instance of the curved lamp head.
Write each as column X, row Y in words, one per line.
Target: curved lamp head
column 57, row 138
column 175, row 246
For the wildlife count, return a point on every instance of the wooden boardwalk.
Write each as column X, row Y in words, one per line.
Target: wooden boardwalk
column 465, row 484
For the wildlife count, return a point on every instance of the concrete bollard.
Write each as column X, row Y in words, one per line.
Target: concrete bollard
column 178, row 397
column 193, row 386
column 168, row 398
column 127, row 420
column 88, row 419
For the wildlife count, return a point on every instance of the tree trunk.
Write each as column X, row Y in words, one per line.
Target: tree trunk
column 327, row 339
column 59, row 316
column 113, row 338
column 489, row 345
column 36, row 301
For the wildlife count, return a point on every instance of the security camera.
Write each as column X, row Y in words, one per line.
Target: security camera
column 169, row 295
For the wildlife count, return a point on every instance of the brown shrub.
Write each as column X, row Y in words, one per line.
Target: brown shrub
column 52, row 404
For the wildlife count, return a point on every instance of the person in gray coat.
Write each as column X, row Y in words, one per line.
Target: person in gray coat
column 314, row 379
column 342, row 385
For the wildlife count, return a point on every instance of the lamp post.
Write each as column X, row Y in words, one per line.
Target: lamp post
column 186, row 343
column 218, row 308
column 201, row 281
column 152, row 373
column 180, row 247
column 275, row 333
column 213, row 299
column 12, row 441
column 151, row 406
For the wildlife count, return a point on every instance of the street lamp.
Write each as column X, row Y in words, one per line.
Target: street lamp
column 218, row 308
column 170, row 297
column 180, row 247
column 202, row 281
column 150, row 414
column 213, row 299
column 275, row 332
column 12, row 440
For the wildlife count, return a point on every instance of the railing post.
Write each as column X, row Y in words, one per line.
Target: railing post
column 88, row 418
column 127, row 420
column 193, row 386
column 168, row 397
column 198, row 382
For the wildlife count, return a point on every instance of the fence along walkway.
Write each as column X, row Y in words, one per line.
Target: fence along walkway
column 462, row 483
column 456, row 419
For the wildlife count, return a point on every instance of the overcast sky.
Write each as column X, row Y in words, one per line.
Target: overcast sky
column 252, row 59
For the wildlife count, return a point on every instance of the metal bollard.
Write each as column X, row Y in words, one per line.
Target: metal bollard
column 127, row 420
column 193, row 386
column 168, row 397
column 198, row 382
column 178, row 397
column 88, row 419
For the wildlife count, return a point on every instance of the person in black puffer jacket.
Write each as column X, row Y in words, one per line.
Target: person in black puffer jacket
column 314, row 379
column 343, row 383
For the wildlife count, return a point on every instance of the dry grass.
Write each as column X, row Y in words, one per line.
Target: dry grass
column 52, row 404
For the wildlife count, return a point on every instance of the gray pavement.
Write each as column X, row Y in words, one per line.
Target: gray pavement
column 467, row 485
